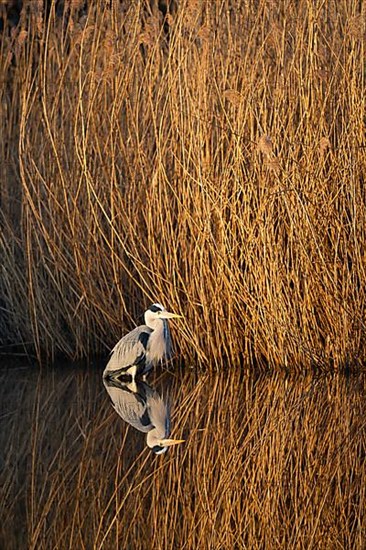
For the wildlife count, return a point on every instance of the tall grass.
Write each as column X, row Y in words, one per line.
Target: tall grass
column 212, row 159
column 270, row 463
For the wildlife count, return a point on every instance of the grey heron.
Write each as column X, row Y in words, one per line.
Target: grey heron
column 142, row 407
column 142, row 348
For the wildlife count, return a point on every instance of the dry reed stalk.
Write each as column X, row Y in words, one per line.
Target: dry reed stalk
column 137, row 179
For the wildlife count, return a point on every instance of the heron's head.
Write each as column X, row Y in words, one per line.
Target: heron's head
column 158, row 449
column 158, row 437
column 158, row 312
column 160, row 446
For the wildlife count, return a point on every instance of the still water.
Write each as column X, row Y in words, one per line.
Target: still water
column 268, row 462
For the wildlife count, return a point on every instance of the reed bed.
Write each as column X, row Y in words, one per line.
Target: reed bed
column 271, row 462
column 207, row 156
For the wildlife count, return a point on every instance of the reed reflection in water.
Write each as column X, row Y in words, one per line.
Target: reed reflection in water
column 268, row 463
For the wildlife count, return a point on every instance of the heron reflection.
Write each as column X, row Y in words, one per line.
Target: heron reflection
column 142, row 407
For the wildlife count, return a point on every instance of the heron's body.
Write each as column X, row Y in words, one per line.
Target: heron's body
column 143, row 408
column 142, row 348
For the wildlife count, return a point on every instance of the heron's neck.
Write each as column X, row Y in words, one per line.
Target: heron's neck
column 158, row 330
column 156, row 324
column 158, row 341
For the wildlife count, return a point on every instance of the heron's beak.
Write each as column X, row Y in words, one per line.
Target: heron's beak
column 170, row 442
column 168, row 315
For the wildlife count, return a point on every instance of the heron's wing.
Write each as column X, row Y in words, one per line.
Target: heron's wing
column 130, row 350
column 131, row 407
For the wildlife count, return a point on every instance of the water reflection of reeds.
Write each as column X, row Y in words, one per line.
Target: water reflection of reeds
column 270, row 462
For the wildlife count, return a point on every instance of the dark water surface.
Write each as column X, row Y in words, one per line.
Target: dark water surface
column 269, row 462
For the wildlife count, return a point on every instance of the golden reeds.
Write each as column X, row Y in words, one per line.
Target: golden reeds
column 209, row 158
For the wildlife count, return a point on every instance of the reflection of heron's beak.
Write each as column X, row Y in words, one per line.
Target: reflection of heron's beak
column 170, row 442
column 169, row 315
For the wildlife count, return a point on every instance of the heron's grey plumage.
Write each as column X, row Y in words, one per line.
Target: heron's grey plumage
column 130, row 352
column 142, row 348
column 142, row 407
